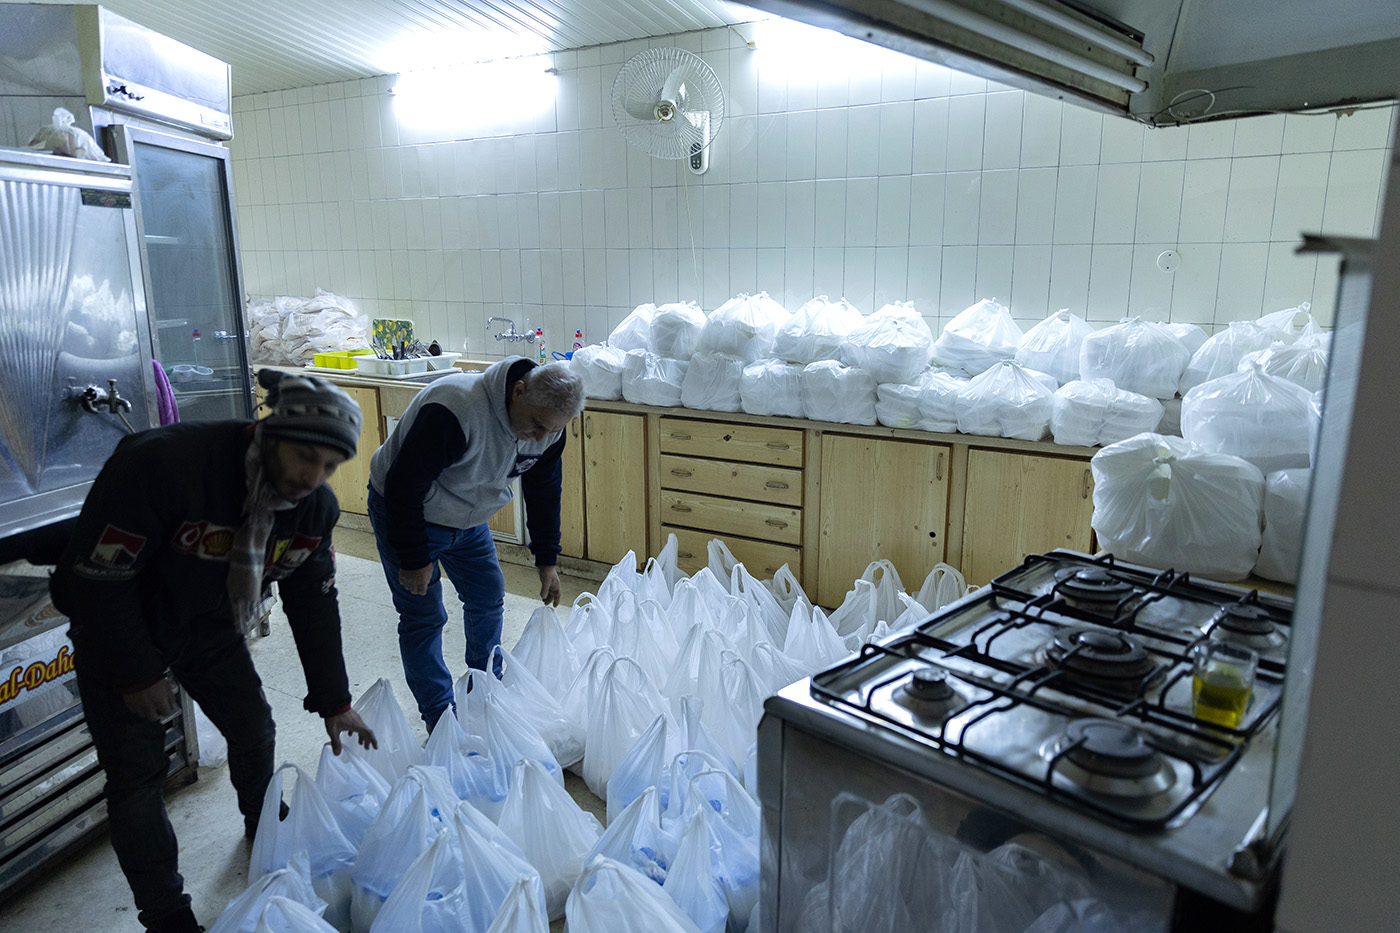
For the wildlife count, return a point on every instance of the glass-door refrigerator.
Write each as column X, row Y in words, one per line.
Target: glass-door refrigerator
column 187, row 231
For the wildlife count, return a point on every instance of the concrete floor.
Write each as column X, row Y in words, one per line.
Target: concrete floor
column 88, row 892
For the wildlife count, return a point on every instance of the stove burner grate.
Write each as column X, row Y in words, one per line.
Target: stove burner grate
column 1107, row 756
column 1101, row 658
column 1246, row 624
column 1091, row 588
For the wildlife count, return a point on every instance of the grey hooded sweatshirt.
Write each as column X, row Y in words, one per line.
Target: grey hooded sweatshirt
column 451, row 458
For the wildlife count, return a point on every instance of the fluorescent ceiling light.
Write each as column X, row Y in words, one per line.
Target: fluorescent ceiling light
column 476, row 95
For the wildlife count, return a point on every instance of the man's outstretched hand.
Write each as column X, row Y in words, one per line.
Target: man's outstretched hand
column 349, row 721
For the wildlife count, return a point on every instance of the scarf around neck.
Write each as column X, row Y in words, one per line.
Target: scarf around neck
column 248, row 556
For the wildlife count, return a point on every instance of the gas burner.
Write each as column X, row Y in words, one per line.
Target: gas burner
column 1105, row 756
column 1246, row 624
column 1093, row 589
column 1101, row 658
column 928, row 695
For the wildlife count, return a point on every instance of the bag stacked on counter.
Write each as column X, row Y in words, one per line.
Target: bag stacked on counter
column 634, row 333
column 978, row 338
column 1007, row 400
column 1304, row 362
column 676, row 329
column 772, row 387
column 1285, row 505
column 817, row 331
column 1136, row 355
column 745, row 326
column 928, row 404
column 648, row 379
column 713, row 381
column 1097, row 412
column 1052, row 346
column 892, row 345
column 832, row 392
column 291, row 331
column 600, row 367
column 1221, row 354
column 1250, row 414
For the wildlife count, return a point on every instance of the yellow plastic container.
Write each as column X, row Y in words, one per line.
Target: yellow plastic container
column 339, row 359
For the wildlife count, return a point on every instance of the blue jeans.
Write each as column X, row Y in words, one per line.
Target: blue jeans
column 468, row 557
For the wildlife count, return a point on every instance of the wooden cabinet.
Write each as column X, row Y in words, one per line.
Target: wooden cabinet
column 351, row 481
column 760, row 558
column 571, row 511
column 879, row 499
column 1019, row 504
column 614, row 485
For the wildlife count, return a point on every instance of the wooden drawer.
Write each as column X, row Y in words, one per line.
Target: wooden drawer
column 751, row 443
column 775, row 485
column 775, row 523
column 760, row 558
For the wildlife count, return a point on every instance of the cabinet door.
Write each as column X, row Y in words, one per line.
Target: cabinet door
column 1019, row 504
column 879, row 499
column 614, row 485
column 351, row 479
column 571, row 522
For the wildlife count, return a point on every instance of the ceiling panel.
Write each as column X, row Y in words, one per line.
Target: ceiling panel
column 278, row 44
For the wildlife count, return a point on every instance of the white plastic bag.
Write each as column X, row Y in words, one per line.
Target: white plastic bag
column 648, row 379
column 354, row 790
column 1097, row 412
column 1171, row 417
column 521, row 913
column 772, row 387
column 1136, row 355
column 642, row 766
column 676, row 329
column 600, row 367
column 1007, row 400
column 634, row 333
column 730, row 817
column 1262, row 418
column 929, row 403
column 284, row 915
column 1167, row 503
column 744, row 326
column 1303, row 363
column 613, row 898
column 624, row 704
column 1191, row 335
column 892, row 345
column 1298, row 323
column 1052, row 346
column 1285, row 505
column 415, row 814
column 293, row 882
column 833, row 392
column 466, row 760
column 712, row 382
column 1221, row 354
column 635, row 838
column 550, row 828
column 545, row 650
column 943, row 585
column 978, row 338
column 398, row 748
column 694, row 885
column 62, row 137
column 817, row 331
column 533, row 703
column 213, row 747
column 311, row 826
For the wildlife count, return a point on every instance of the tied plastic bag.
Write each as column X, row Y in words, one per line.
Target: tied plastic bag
column 978, row 338
column 1303, row 363
column 1298, row 323
column 398, row 748
column 550, row 828
column 1135, row 355
column 613, row 898
column 541, row 710
column 635, row 838
column 643, row 766
column 634, row 333
column 466, row 759
column 833, row 392
column 600, row 367
column 713, row 382
column 1097, row 412
column 293, row 882
column 694, row 886
column 544, row 649
column 772, row 387
column 892, row 345
column 729, row 817
column 354, row 790
column 744, row 326
column 817, row 331
column 1221, row 354
column 1171, row 417
column 676, row 330
column 625, row 703
column 1285, row 504
column 648, row 379
column 1052, row 346
column 1189, row 334
column 213, row 747
column 62, row 137
column 1262, row 418
column 1007, row 400
column 1165, row 502
column 520, row 913
column 309, row 826
column 284, row 915
column 929, row 403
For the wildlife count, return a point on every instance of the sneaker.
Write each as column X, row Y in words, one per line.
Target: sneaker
column 181, row 921
column 250, row 823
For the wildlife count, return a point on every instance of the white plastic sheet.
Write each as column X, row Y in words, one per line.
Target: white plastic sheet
column 1165, row 502
column 1262, row 418
column 772, row 387
column 893, row 345
column 600, row 367
column 817, row 331
column 833, row 392
column 1140, row 356
column 648, row 379
column 1098, row 412
column 1007, row 400
column 713, row 382
column 1285, row 505
column 1052, row 346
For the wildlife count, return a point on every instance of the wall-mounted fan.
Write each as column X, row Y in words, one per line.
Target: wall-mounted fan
column 669, row 104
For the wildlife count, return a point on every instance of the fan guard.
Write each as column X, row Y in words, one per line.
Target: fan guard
column 668, row 103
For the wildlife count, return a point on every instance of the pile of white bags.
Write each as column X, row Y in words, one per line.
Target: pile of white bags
column 1304, row 362
column 600, row 367
column 1007, row 400
column 1052, row 346
column 648, row 379
column 978, row 338
column 1262, row 418
column 745, row 326
column 634, row 333
column 772, row 387
column 1297, row 323
column 833, row 392
column 1165, row 502
column 892, row 345
column 713, row 381
column 1097, row 412
column 1221, row 354
column 1285, row 504
column 1139, row 356
column 291, row 331
column 817, row 331
column 676, row 329
column 928, row 404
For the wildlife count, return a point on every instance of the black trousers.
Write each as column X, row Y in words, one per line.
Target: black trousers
column 131, row 750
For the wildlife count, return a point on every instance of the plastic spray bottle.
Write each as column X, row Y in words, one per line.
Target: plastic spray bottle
column 578, row 340
column 539, row 335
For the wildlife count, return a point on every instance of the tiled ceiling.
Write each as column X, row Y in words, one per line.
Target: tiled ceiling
column 278, row 44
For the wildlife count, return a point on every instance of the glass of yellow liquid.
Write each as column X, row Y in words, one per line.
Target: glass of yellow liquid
column 1221, row 682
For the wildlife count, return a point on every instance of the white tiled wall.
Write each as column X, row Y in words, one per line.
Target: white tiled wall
column 881, row 182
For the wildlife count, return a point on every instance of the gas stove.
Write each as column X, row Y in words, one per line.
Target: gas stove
column 1061, row 694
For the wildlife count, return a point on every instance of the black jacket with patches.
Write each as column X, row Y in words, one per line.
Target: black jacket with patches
column 144, row 579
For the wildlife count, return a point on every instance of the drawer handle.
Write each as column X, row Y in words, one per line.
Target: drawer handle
column 680, row 437
column 776, row 485
column 681, row 473
column 588, row 426
column 680, row 508
column 685, row 556
column 573, row 426
column 938, row 469
column 776, row 445
column 775, row 523
column 1084, row 491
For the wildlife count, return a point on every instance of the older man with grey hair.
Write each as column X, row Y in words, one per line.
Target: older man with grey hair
column 435, row 482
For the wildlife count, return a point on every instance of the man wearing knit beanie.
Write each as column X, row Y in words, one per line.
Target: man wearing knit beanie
column 183, row 533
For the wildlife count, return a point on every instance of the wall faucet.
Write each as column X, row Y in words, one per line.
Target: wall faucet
column 94, row 399
column 510, row 333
